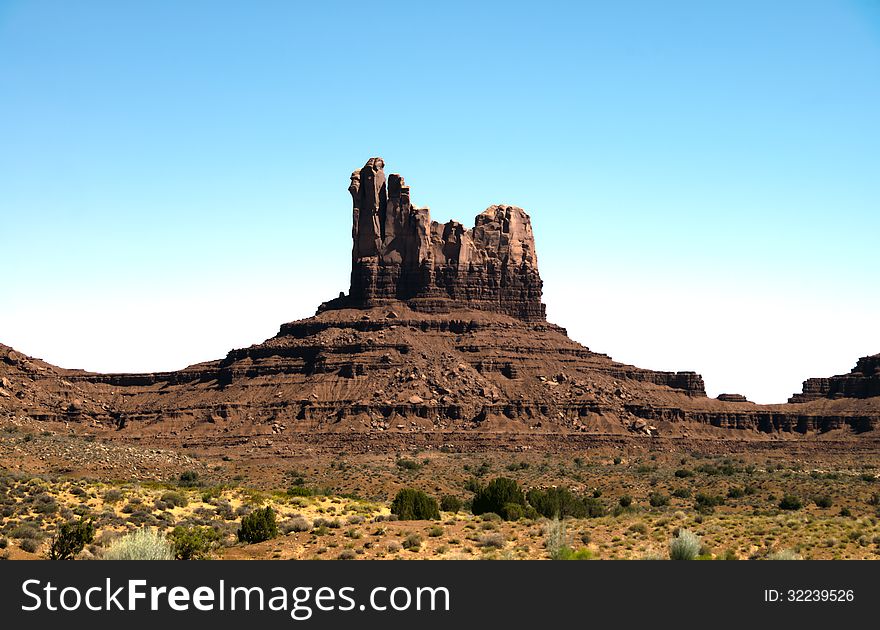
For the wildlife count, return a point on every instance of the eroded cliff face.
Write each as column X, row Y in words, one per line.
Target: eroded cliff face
column 399, row 253
column 862, row 382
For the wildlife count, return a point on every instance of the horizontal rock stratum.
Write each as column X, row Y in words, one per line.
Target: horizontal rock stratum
column 862, row 382
column 441, row 341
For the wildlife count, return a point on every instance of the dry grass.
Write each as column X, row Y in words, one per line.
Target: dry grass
column 738, row 516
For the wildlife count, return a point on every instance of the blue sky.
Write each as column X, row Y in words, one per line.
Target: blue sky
column 702, row 176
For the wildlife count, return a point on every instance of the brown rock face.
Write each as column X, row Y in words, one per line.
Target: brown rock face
column 400, row 254
column 862, row 382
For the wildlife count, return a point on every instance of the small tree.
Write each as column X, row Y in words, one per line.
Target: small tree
column 450, row 503
column 556, row 503
column 414, row 505
column 258, row 526
column 495, row 496
column 71, row 538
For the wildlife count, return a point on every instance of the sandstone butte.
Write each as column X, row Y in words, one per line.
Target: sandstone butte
column 441, row 341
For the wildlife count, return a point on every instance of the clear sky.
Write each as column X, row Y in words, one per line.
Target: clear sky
column 703, row 177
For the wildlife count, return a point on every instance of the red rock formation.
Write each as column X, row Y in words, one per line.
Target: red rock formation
column 400, row 254
column 862, row 382
column 442, row 337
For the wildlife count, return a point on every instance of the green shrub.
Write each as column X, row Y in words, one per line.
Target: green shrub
column 495, row 496
column 45, row 504
column 188, row 479
column 682, row 493
column 706, row 503
column 724, row 468
column 625, row 501
column 824, row 501
column 29, row 544
column 413, row 542
column 435, row 532
column 784, row 554
column 639, row 528
column 685, row 546
column 681, row 473
column 296, row 524
column 258, row 526
column 408, row 464
column 512, row 512
column 494, row 540
column 24, row 530
column 414, row 505
column 141, row 544
column 71, row 538
column 594, row 507
column 658, row 499
column 472, row 485
column 450, row 503
column 299, row 491
column 212, row 493
column 174, row 499
column 790, row 502
column 483, row 470
column 735, row 492
column 192, row 543
column 567, row 553
column 112, row 496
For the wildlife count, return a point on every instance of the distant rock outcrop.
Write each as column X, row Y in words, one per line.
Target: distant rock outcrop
column 399, row 253
column 732, row 398
column 862, row 382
